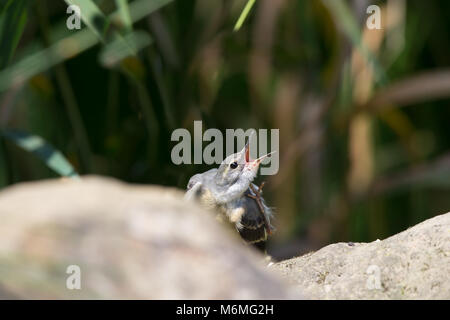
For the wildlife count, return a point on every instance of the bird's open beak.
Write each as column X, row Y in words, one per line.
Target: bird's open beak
column 254, row 163
column 247, row 152
column 258, row 161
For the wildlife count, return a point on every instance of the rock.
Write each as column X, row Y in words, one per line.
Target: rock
column 128, row 241
column 414, row 264
column 145, row 242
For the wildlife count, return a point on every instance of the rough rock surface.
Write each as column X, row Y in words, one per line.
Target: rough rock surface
column 414, row 264
column 146, row 242
column 129, row 242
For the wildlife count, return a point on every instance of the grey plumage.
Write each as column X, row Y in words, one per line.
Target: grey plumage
column 229, row 190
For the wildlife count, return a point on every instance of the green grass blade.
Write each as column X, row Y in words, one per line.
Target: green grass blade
column 342, row 14
column 124, row 14
column 46, row 58
column 141, row 9
column 67, row 47
column 53, row 158
column 13, row 18
column 117, row 50
column 244, row 14
column 4, row 168
column 93, row 17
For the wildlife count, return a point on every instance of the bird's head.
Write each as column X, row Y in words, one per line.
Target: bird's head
column 238, row 170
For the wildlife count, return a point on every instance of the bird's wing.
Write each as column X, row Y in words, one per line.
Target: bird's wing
column 194, row 190
column 268, row 212
column 252, row 226
column 198, row 189
column 252, row 217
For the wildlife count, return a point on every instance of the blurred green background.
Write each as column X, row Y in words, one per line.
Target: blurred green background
column 363, row 114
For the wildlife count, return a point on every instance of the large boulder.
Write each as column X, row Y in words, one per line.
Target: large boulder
column 127, row 241
column 414, row 264
column 133, row 241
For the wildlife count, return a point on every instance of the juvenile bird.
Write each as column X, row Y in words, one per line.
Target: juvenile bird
column 229, row 190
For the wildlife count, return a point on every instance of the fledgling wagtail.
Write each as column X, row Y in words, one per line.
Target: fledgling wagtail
column 229, row 190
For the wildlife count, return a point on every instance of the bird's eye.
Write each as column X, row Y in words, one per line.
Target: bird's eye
column 233, row 165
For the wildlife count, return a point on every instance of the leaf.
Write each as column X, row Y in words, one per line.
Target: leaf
column 13, row 18
column 3, row 166
column 93, row 17
column 347, row 22
column 141, row 9
column 70, row 46
column 46, row 58
column 432, row 174
column 244, row 14
column 124, row 14
column 118, row 50
column 425, row 86
column 53, row 158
